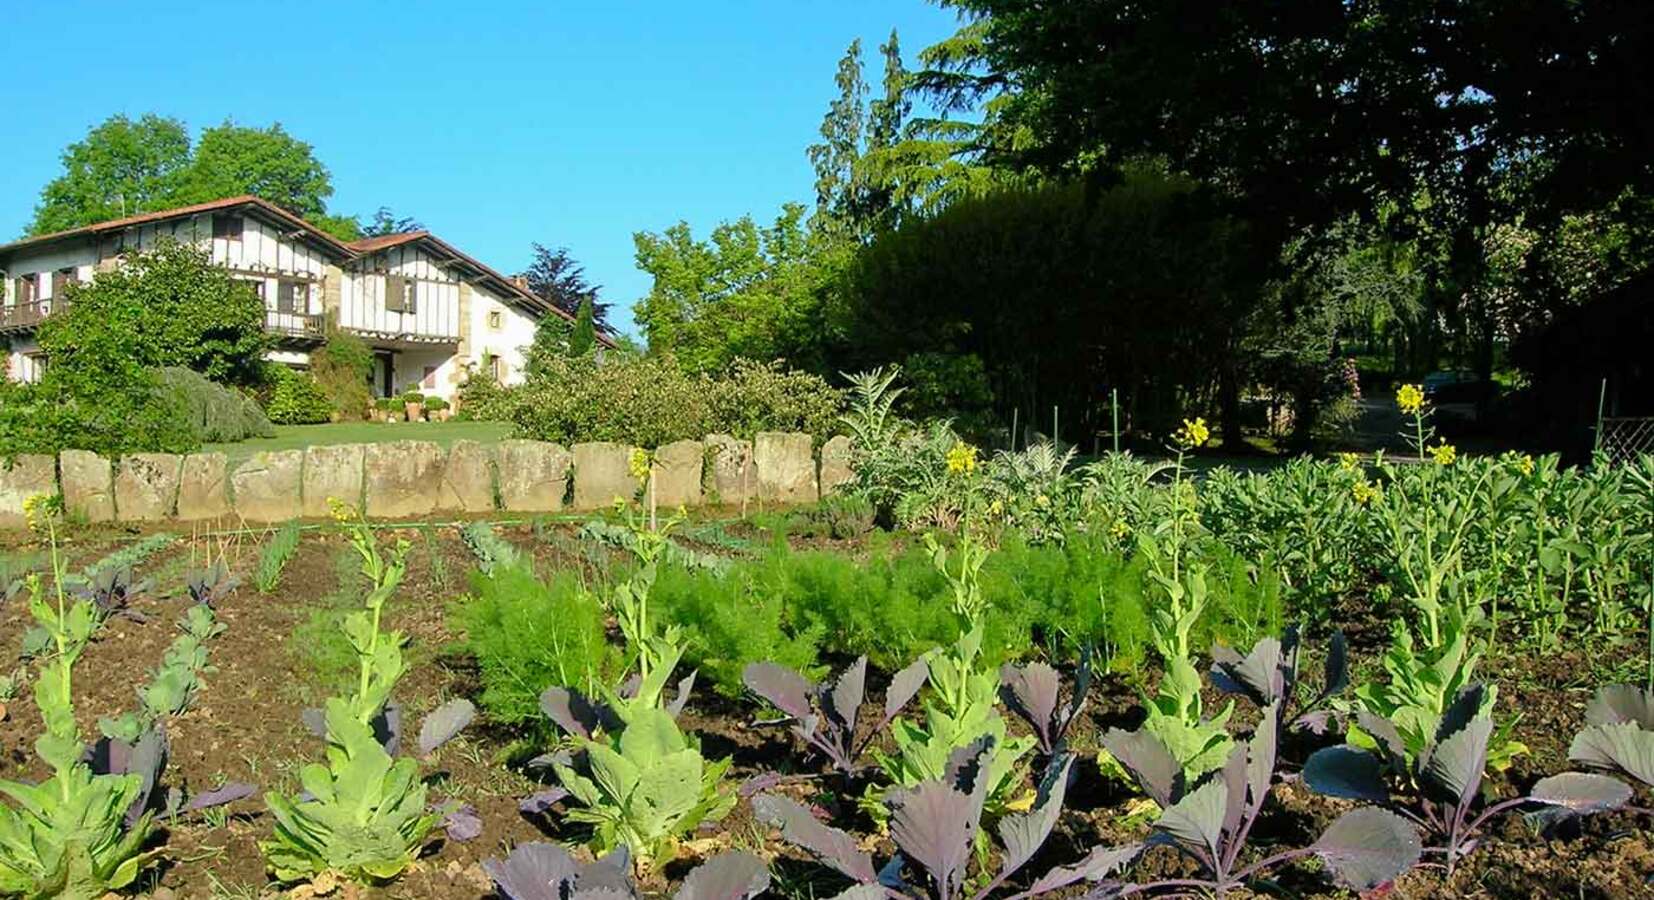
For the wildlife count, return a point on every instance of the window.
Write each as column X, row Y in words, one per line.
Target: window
column 292, row 297
column 25, row 289
column 227, row 227
column 401, row 294
column 495, row 319
column 61, row 279
column 497, row 368
column 429, row 381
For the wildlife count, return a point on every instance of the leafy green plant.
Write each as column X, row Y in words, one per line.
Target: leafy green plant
column 491, row 550
column 173, row 685
column 278, row 551
column 70, row 834
column 298, row 399
column 529, row 634
column 364, row 814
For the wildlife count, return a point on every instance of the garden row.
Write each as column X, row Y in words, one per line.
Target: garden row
column 412, row 478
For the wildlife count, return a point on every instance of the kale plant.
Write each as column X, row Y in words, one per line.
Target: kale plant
column 111, row 591
column 824, row 715
column 1034, row 692
column 210, row 585
column 173, row 685
column 1269, row 674
column 1210, row 820
column 1618, row 734
column 1438, row 786
column 539, row 871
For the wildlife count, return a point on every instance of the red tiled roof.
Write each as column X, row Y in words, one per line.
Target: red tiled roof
column 348, row 249
column 381, row 241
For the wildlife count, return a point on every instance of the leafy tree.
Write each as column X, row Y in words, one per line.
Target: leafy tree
column 167, row 307
column 343, row 366
column 746, row 291
column 386, row 222
column 122, row 167
column 584, row 338
column 554, row 276
column 835, row 157
column 1054, row 295
column 269, row 163
column 553, row 340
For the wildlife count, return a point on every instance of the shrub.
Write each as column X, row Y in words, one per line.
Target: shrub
column 215, row 413
column 730, row 621
column 482, row 399
column 649, row 401
column 299, row 399
column 139, row 417
column 528, row 635
column 435, row 404
column 342, row 366
column 755, row 397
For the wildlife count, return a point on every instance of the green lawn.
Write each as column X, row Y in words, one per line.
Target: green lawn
column 297, row 437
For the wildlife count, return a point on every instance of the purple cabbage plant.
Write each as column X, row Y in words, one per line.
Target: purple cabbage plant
column 111, row 591
column 1619, row 733
column 1211, row 820
column 935, row 825
column 540, row 871
column 1269, row 674
column 1448, row 778
column 439, row 726
column 1034, row 693
column 147, row 758
column 824, row 715
column 209, row 585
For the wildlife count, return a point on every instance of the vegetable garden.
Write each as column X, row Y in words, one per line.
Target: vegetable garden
column 962, row 676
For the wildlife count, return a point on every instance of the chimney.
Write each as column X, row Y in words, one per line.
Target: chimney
column 520, row 281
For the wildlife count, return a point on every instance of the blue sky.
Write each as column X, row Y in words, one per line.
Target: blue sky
column 494, row 124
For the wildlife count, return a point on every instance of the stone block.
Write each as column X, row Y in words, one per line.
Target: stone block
column 786, row 467
column 677, row 473
column 534, row 476
column 204, row 487
column 835, row 464
column 22, row 478
column 729, row 475
column 88, row 485
column 332, row 472
column 402, row 478
column 602, row 472
column 468, row 478
column 146, row 486
column 266, row 488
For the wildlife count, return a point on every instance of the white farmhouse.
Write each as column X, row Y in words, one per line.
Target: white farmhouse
column 427, row 309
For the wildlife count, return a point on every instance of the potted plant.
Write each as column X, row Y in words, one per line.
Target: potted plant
column 436, row 409
column 414, row 404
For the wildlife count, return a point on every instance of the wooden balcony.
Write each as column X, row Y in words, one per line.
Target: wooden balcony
column 297, row 327
column 28, row 316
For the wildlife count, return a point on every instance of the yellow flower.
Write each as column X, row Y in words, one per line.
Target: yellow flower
column 340, row 510
column 1120, row 530
column 1444, row 453
column 1348, row 461
column 1410, row 397
column 996, row 509
column 1525, row 464
column 1194, row 433
column 961, row 459
column 1042, row 501
column 39, row 510
column 638, row 464
column 1363, row 492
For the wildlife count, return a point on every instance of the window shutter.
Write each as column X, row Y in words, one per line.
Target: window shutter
column 396, row 293
column 412, row 304
column 285, row 301
column 25, row 289
column 60, row 282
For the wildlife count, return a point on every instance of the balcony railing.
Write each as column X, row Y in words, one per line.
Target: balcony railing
column 299, row 326
column 25, row 316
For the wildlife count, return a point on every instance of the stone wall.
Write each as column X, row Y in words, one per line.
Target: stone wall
column 408, row 479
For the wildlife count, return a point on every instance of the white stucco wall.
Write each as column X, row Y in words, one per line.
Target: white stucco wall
column 509, row 340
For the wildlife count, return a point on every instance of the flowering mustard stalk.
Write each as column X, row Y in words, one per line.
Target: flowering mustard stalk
column 1411, row 401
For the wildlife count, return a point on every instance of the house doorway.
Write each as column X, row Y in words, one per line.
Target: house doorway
column 384, row 368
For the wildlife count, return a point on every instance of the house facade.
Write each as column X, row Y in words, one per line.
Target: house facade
column 428, row 310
